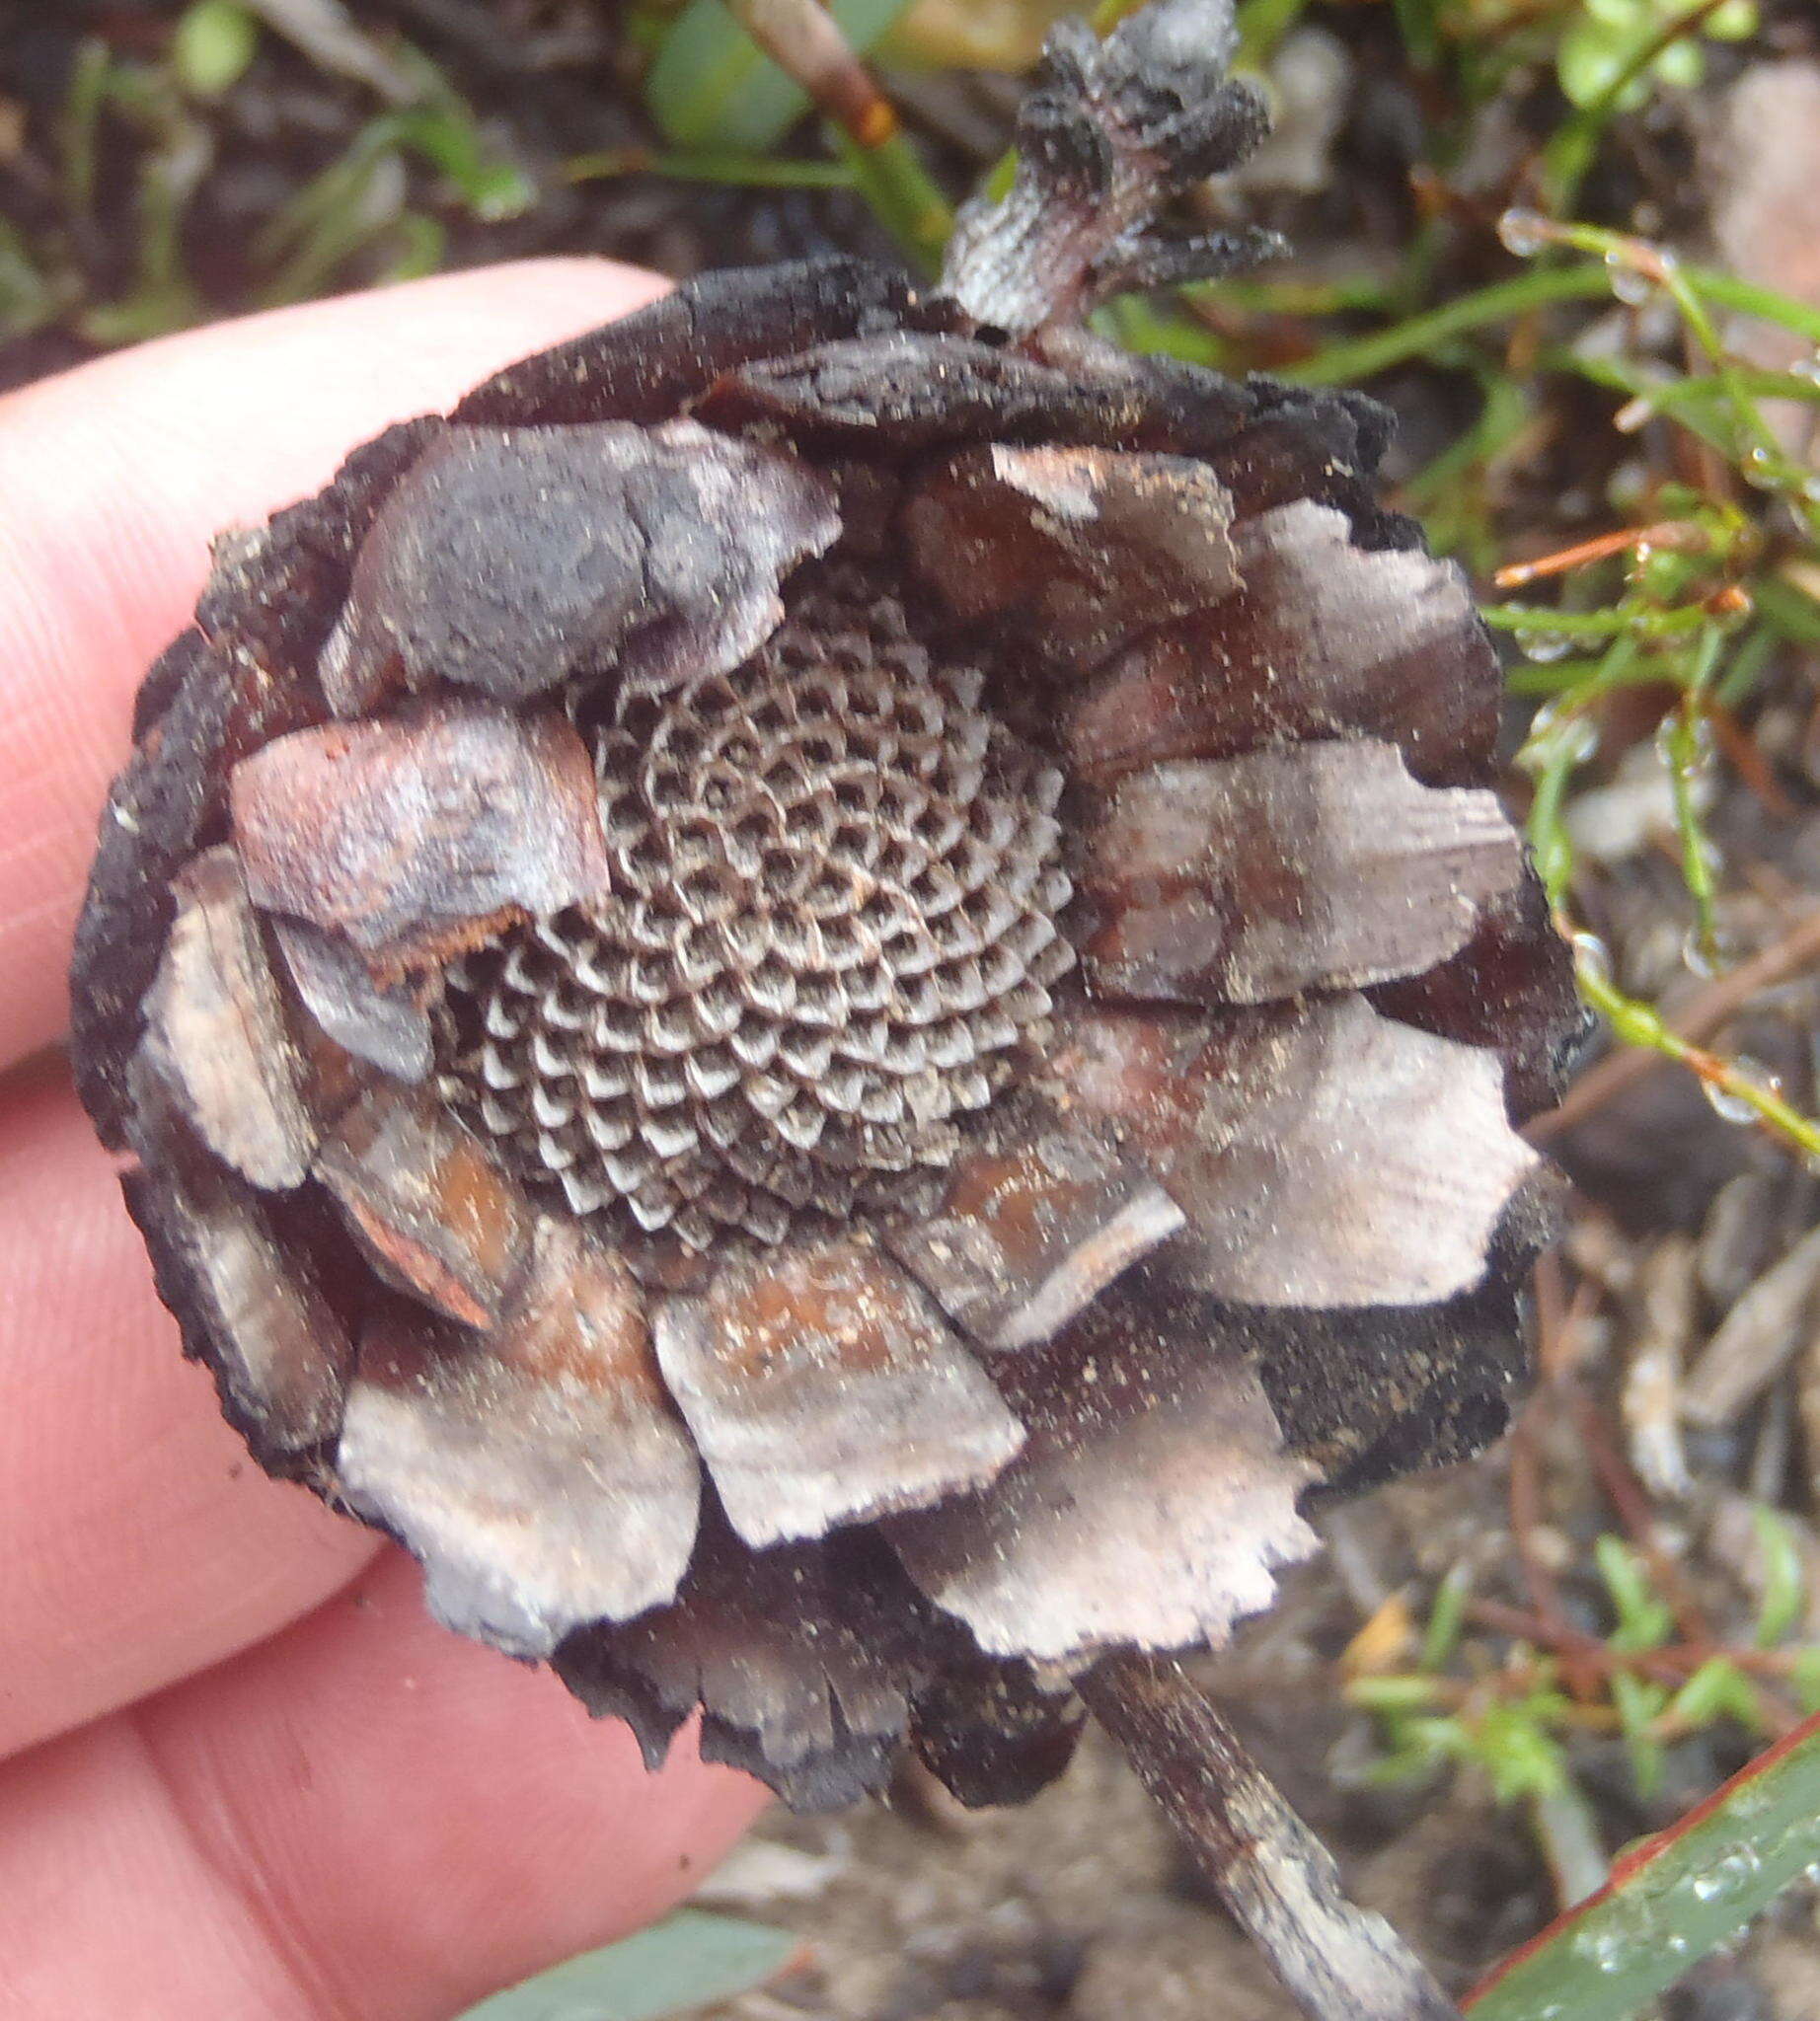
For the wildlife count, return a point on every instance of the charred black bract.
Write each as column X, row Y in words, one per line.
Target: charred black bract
column 830, row 991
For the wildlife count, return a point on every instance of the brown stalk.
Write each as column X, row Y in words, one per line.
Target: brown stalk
column 1279, row 1883
column 1665, row 534
column 1525, row 1489
column 805, row 41
column 1670, row 1665
column 1627, row 1496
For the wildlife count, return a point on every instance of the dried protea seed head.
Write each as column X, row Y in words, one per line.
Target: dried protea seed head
column 829, row 938
column 829, row 993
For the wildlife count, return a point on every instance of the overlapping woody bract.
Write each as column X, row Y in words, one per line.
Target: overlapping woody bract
column 850, row 1359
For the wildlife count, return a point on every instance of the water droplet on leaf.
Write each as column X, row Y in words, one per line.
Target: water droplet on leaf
column 1628, row 284
column 1523, row 232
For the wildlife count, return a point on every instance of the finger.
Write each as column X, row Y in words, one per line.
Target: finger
column 140, row 1541
column 364, row 1818
column 113, row 477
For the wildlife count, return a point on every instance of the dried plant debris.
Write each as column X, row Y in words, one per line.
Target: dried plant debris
column 829, row 994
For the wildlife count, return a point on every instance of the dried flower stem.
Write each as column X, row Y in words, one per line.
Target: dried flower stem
column 1275, row 1876
column 806, row 41
column 803, row 38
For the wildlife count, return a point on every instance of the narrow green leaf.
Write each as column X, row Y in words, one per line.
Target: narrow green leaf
column 1806, row 1679
column 736, row 171
column 691, row 1961
column 1672, row 1902
column 1420, row 336
column 712, row 86
column 448, row 136
column 1788, row 608
column 1446, row 1619
column 1395, row 1693
column 212, row 46
column 1718, row 1689
column 1784, row 1578
column 1643, row 1620
column 29, row 299
column 903, row 194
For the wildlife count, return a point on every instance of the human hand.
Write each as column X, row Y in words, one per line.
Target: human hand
column 241, row 1772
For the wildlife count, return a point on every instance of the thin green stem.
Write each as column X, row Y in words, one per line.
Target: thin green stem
column 904, row 195
column 1684, row 750
column 739, row 171
column 1627, row 619
column 1733, row 1084
column 1339, row 364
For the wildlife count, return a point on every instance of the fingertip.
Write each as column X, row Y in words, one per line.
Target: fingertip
column 430, row 1820
column 141, row 1543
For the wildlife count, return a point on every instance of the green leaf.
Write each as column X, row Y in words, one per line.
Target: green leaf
column 1784, row 1578
column 1446, row 1619
column 1591, row 61
column 28, row 298
column 1643, row 1620
column 1638, row 1704
column 712, row 86
column 1517, row 1753
column 1396, row 1693
column 691, row 1961
column 1718, row 1689
column 1675, row 1900
column 447, row 135
column 211, row 45
column 1788, row 608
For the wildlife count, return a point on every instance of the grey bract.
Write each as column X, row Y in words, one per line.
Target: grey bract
column 829, row 1001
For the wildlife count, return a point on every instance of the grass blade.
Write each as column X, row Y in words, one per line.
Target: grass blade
column 1673, row 1900
column 690, row 1961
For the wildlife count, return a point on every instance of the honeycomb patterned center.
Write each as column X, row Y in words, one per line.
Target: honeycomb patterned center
column 833, row 928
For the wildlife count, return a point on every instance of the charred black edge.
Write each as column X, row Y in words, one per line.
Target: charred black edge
column 830, row 1779
column 150, row 826
column 161, row 1209
column 1511, row 988
column 611, row 1690
column 856, row 1765
column 645, row 366
column 991, row 1735
column 1272, row 443
column 274, row 597
column 1374, row 1394
column 242, row 673
column 827, row 1780
column 863, row 1602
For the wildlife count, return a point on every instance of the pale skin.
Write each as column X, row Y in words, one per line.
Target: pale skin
column 241, row 1772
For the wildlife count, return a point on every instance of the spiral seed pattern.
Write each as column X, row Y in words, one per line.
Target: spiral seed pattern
column 833, row 924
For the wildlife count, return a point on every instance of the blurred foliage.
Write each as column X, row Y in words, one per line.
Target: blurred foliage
column 710, row 86
column 688, row 1962
column 141, row 125
column 1641, row 1680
